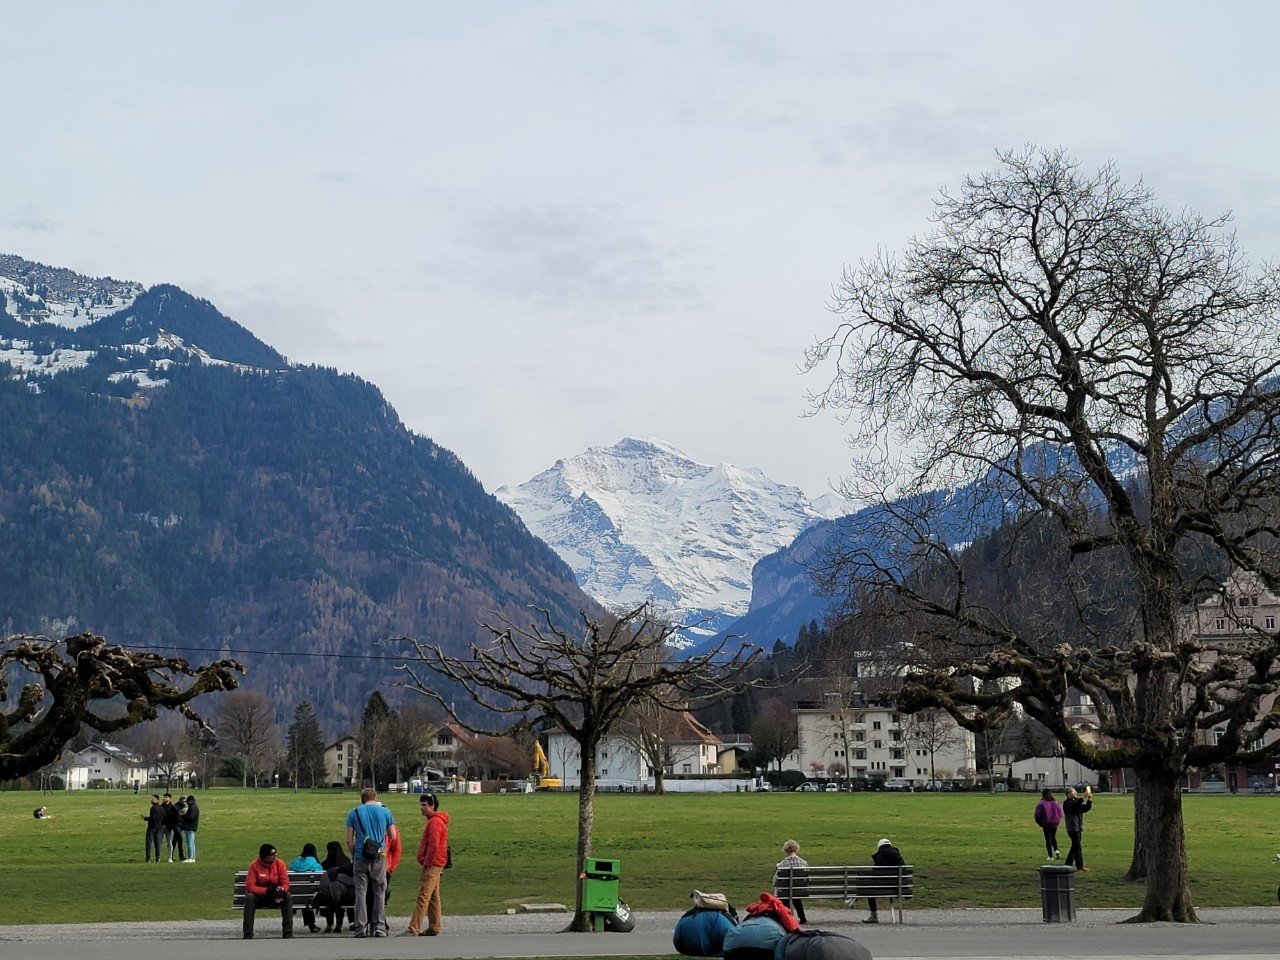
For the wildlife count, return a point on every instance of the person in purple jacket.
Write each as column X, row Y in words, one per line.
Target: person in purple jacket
column 1048, row 815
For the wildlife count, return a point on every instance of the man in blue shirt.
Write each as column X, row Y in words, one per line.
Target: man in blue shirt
column 370, row 821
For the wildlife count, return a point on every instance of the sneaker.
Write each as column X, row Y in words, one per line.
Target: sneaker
column 379, row 933
column 407, row 933
column 851, row 902
column 872, row 919
column 358, row 933
column 1057, row 854
column 431, row 933
column 1085, row 870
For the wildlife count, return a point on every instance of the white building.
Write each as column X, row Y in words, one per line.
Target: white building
column 690, row 749
column 859, row 738
column 342, row 762
column 104, row 763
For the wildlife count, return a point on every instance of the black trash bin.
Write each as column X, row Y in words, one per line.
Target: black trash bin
column 1058, row 894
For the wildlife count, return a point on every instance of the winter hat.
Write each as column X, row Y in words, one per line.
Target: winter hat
column 265, row 850
column 884, row 842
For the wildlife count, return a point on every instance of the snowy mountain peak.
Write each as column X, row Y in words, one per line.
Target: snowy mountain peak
column 642, row 520
column 34, row 293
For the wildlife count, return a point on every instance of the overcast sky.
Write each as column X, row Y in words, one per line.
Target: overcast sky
column 539, row 227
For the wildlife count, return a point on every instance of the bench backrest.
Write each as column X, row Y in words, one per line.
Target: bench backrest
column 841, row 882
column 303, row 888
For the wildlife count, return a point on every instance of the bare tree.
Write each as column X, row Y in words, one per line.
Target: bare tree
column 931, row 729
column 77, row 680
column 411, row 738
column 582, row 684
column 775, row 734
column 163, row 745
column 247, row 724
column 1100, row 375
column 650, row 727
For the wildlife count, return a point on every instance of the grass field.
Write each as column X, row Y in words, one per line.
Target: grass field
column 969, row 849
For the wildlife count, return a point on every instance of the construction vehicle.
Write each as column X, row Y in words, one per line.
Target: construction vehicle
column 542, row 769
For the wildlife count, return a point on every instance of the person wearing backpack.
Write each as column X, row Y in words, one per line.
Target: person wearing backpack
column 1048, row 815
column 433, row 855
column 368, row 827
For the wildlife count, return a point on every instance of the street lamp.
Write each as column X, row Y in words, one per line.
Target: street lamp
column 277, row 781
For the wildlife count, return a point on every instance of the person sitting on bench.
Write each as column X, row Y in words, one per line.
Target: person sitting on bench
column 886, row 855
column 267, row 885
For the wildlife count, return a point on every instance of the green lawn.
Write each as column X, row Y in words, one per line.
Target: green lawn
column 969, row 849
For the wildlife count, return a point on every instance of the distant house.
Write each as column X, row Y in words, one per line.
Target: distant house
column 690, row 748
column 342, row 761
column 442, row 755
column 104, row 763
column 733, row 747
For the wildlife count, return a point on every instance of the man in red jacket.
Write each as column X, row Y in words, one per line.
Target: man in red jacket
column 267, row 885
column 433, row 854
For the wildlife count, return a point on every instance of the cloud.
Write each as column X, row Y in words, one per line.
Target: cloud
column 578, row 259
column 27, row 219
column 910, row 132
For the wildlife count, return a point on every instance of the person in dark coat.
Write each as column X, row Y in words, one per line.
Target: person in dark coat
column 886, row 855
column 1073, row 810
column 337, row 896
column 172, row 834
column 155, row 827
column 189, row 823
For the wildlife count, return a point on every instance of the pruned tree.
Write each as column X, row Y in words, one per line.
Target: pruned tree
column 79, row 680
column 304, row 751
column 775, row 734
column 247, row 728
column 582, row 684
column 411, row 738
column 1100, row 376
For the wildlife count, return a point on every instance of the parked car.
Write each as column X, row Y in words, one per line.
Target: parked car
column 830, row 788
column 809, row 787
column 896, row 784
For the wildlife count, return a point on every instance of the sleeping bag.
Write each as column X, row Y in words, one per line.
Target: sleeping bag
column 819, row 945
column 753, row 939
column 700, row 933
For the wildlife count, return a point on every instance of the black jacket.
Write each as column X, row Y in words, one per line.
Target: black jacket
column 888, row 856
column 1073, row 811
column 170, row 815
column 191, row 819
column 154, row 816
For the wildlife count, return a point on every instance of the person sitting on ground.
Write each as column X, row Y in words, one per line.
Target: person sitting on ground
column 306, row 862
column 42, row 813
column 886, row 855
column 337, row 888
column 267, row 885
column 793, row 873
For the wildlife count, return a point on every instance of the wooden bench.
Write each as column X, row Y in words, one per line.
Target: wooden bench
column 303, row 888
column 842, row 883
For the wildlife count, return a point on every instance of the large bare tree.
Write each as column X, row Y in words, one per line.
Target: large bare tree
column 247, row 726
column 1099, row 375
column 82, row 681
column 582, row 683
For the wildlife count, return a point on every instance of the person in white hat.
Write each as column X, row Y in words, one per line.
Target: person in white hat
column 886, row 855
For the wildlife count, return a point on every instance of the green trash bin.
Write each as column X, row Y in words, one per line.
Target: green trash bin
column 600, row 888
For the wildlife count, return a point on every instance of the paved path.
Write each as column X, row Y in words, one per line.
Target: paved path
column 1013, row 934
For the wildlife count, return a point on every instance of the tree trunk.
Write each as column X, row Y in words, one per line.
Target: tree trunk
column 1160, row 831
column 581, row 923
column 659, row 784
column 1142, row 814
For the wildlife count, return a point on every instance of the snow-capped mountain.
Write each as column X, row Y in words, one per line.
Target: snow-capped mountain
column 640, row 520
column 55, row 321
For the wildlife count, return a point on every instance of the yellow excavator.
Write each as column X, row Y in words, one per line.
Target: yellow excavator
column 542, row 769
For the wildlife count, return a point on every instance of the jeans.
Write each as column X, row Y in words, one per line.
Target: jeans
column 153, row 842
column 189, row 837
column 173, row 841
column 371, row 911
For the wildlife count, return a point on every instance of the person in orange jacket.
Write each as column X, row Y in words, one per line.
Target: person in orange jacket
column 267, row 885
column 433, row 854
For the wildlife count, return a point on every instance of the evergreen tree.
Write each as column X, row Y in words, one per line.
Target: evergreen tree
column 306, row 746
column 376, row 737
column 742, row 711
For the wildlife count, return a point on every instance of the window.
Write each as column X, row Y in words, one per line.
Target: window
column 1269, row 623
column 1220, row 624
column 895, row 754
column 895, row 718
column 878, row 744
column 686, row 768
column 875, row 725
